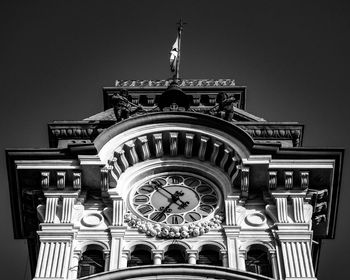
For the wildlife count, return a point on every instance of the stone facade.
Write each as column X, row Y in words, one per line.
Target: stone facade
column 185, row 180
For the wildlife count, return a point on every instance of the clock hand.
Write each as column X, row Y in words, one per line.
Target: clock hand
column 160, row 214
column 175, row 197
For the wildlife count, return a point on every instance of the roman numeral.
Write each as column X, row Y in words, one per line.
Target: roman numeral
column 204, row 189
column 157, row 217
column 206, row 208
column 193, row 218
column 174, row 220
column 145, row 209
column 147, row 189
column 140, row 199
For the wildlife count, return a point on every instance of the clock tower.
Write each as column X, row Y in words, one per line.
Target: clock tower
column 174, row 180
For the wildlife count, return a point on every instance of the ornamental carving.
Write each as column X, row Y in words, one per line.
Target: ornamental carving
column 182, row 83
column 170, row 231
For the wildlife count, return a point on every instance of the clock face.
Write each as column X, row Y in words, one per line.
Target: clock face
column 175, row 199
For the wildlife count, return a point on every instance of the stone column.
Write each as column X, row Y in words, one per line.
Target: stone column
column 157, row 256
column 106, row 255
column 192, row 256
column 274, row 264
column 74, row 265
column 125, row 256
column 242, row 256
column 224, row 258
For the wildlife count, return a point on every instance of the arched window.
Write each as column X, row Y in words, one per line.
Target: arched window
column 258, row 261
column 209, row 255
column 175, row 254
column 91, row 261
column 140, row 255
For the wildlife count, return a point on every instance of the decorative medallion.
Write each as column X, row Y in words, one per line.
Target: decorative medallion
column 92, row 220
column 255, row 219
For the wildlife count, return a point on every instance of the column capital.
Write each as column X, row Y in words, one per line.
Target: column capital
column 126, row 253
column 77, row 252
column 117, row 231
column 232, row 231
column 158, row 253
column 193, row 252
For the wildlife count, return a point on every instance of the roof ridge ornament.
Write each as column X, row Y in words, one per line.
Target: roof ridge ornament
column 175, row 53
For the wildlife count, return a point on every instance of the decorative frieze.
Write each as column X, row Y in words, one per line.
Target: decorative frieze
column 293, row 133
column 181, row 83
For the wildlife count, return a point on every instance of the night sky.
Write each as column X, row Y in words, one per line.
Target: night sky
column 292, row 55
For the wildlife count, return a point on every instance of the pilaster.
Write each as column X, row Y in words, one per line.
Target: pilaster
column 117, row 236
column 232, row 233
column 55, row 251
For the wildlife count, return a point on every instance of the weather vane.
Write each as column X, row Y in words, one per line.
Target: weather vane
column 175, row 52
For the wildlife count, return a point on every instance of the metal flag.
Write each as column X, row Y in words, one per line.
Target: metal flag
column 174, row 53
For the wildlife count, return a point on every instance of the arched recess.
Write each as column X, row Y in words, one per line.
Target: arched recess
column 92, row 259
column 175, row 254
column 211, row 253
column 197, row 139
column 259, row 258
column 165, row 245
column 102, row 245
column 131, row 245
column 216, row 244
column 140, row 254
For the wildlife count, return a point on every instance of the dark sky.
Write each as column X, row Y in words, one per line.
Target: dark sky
column 292, row 55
